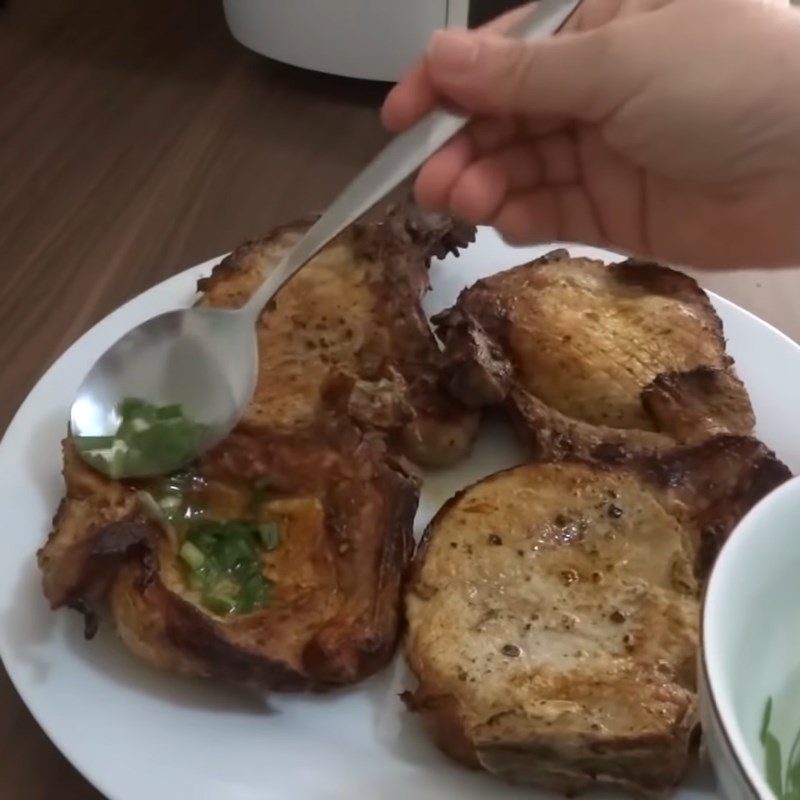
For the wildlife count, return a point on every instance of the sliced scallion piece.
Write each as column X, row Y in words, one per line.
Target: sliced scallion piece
column 149, row 440
column 783, row 778
column 270, row 535
column 192, row 555
column 224, row 561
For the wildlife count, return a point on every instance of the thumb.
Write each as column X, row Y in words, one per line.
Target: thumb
column 570, row 75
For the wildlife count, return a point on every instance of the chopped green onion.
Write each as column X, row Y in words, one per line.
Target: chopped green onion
column 118, row 454
column 792, row 788
column 262, row 491
column 192, row 555
column 765, row 720
column 270, row 536
column 149, row 440
column 219, row 604
column 169, row 412
column 170, row 502
column 230, row 576
column 784, row 783
column 133, row 407
column 97, row 442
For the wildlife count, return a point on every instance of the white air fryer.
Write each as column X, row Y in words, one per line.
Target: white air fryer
column 371, row 39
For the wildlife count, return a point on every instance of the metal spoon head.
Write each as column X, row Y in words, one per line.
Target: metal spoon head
column 202, row 360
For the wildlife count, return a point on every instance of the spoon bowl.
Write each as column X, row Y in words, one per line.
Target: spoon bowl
column 203, row 360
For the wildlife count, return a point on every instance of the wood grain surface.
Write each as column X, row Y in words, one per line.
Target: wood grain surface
column 136, row 139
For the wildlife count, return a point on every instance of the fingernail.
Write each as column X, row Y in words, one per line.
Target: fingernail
column 453, row 51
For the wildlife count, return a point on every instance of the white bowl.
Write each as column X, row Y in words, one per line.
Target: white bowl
column 751, row 643
column 372, row 39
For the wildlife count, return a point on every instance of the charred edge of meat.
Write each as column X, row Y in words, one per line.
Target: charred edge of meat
column 550, row 257
column 91, row 622
column 552, row 436
column 421, row 552
column 439, row 430
column 658, row 279
column 196, row 634
column 440, row 715
column 764, row 474
column 610, row 453
column 673, row 469
column 310, row 452
column 704, row 377
column 381, row 403
column 434, row 235
column 559, row 254
column 348, row 649
column 232, row 263
column 85, row 570
column 476, row 370
column 699, row 403
column 722, row 478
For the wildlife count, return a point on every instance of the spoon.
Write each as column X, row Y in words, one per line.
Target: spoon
column 193, row 371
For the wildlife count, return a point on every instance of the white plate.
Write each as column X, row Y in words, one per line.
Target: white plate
column 136, row 733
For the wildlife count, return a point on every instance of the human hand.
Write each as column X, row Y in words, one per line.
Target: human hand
column 668, row 129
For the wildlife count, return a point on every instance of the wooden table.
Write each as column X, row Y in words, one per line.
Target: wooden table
column 137, row 139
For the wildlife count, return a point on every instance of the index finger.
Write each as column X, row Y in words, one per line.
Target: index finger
column 414, row 96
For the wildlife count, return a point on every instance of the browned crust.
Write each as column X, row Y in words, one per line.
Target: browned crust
column 709, row 487
column 699, row 403
column 202, row 643
column 82, row 574
column 360, row 637
column 96, row 528
column 549, row 434
column 718, row 481
column 662, row 280
column 369, row 510
column 435, row 429
column 685, row 408
column 341, row 621
column 441, row 430
column 231, row 265
column 476, row 369
column 440, row 714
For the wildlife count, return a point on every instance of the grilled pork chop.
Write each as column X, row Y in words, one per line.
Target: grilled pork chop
column 342, row 514
column 553, row 613
column 283, row 566
column 593, row 359
column 348, row 330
